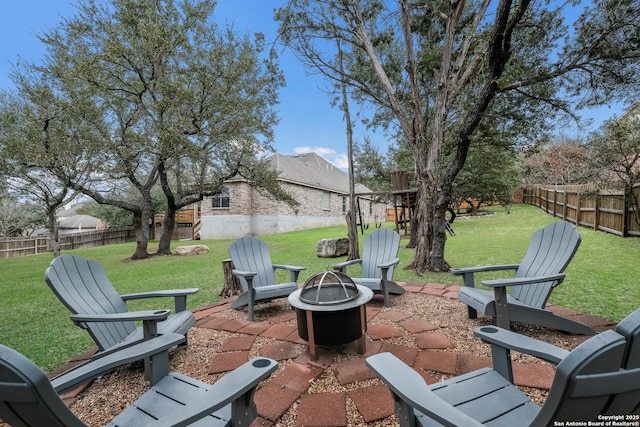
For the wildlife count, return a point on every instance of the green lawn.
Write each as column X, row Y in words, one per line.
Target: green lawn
column 601, row 280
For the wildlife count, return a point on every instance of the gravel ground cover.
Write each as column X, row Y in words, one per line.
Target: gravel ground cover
column 111, row 393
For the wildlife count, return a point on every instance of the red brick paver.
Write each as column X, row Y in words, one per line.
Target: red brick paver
column 373, row 403
column 352, row 370
column 229, row 361
column 238, row 343
column 297, row 376
column 322, row 410
column 433, row 340
column 378, row 332
column 274, row 400
column 280, row 351
column 290, row 384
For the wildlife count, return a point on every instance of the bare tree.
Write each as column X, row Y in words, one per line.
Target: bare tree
column 437, row 70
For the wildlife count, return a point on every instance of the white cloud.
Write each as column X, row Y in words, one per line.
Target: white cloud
column 338, row 159
column 342, row 161
column 322, row 151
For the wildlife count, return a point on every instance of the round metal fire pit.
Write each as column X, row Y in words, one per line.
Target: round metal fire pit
column 330, row 311
column 329, row 288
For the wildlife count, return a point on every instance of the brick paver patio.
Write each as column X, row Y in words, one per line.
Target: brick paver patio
column 289, row 386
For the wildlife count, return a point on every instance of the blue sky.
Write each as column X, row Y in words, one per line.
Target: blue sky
column 307, row 120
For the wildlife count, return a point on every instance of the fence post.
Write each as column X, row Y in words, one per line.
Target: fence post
column 625, row 212
column 596, row 216
column 578, row 208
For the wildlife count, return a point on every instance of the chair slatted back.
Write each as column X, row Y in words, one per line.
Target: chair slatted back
column 550, row 251
column 27, row 397
column 599, row 377
column 586, row 380
column 251, row 254
column 83, row 287
column 629, row 327
column 380, row 247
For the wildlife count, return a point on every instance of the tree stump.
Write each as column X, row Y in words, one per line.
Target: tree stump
column 231, row 283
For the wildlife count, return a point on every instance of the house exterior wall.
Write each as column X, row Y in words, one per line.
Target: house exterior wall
column 252, row 214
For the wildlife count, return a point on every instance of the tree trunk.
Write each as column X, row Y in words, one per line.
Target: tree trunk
column 53, row 244
column 352, row 234
column 169, row 225
column 354, row 247
column 141, row 223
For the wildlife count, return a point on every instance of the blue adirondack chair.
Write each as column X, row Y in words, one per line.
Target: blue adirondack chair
column 83, row 287
column 255, row 272
column 379, row 259
column 29, row 399
column 550, row 251
column 599, row 377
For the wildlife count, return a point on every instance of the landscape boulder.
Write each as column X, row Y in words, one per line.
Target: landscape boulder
column 332, row 248
column 192, row 250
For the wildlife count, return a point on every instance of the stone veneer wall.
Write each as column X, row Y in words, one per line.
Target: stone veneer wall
column 252, row 214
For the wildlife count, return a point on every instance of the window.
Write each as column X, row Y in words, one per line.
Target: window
column 326, row 200
column 221, row 200
column 344, row 204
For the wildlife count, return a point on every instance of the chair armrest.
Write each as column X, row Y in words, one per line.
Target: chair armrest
column 149, row 318
column 389, row 264
column 155, row 315
column 158, row 294
column 482, row 268
column 245, row 274
column 502, row 341
column 180, row 296
column 467, row 273
column 342, row 266
column 237, row 388
column 294, row 269
column 410, row 392
column 520, row 281
column 523, row 344
column 102, row 365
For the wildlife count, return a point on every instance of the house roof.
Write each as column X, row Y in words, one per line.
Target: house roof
column 70, row 218
column 79, row 222
column 311, row 170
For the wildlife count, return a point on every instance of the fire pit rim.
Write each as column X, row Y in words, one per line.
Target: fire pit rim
column 365, row 296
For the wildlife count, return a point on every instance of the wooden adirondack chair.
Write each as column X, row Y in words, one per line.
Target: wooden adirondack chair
column 599, row 377
column 84, row 288
column 379, row 259
column 27, row 398
column 540, row 271
column 255, row 271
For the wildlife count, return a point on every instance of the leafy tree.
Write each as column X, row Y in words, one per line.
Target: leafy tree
column 371, row 168
column 436, row 71
column 564, row 162
column 112, row 216
column 19, row 218
column 34, row 146
column 478, row 184
column 616, row 152
column 172, row 101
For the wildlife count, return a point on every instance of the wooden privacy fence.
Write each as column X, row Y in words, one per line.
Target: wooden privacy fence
column 602, row 206
column 22, row 246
